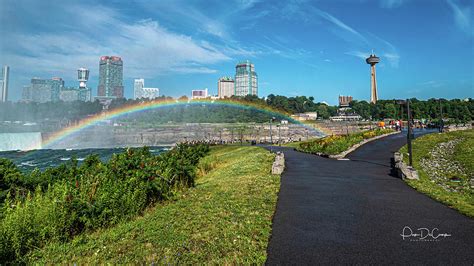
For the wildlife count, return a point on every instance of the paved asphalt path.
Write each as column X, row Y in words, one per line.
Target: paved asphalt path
column 353, row 212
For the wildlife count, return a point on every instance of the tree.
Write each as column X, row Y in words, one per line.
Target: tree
column 183, row 98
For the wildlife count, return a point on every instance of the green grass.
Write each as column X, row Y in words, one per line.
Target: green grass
column 332, row 145
column 225, row 219
column 463, row 198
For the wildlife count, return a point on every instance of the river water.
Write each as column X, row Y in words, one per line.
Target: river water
column 29, row 160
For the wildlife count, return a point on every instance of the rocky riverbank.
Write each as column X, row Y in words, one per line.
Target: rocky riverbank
column 109, row 136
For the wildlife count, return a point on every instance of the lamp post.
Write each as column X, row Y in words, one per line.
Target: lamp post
column 401, row 113
column 409, row 127
column 409, row 137
column 258, row 135
column 441, row 122
column 271, row 137
column 279, row 135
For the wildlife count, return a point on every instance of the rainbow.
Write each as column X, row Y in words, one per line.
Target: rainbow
column 144, row 106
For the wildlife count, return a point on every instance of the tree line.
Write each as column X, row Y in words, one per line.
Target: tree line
column 456, row 110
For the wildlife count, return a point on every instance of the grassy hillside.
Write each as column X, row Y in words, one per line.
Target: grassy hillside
column 446, row 167
column 226, row 218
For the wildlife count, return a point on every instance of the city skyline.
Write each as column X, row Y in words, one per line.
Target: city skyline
column 318, row 51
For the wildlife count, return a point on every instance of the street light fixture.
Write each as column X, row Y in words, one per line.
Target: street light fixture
column 409, row 127
column 279, row 135
column 441, row 122
column 271, row 137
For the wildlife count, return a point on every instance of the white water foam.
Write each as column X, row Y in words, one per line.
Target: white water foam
column 20, row 141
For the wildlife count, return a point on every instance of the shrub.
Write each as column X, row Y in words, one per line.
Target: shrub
column 10, row 176
column 336, row 144
column 69, row 200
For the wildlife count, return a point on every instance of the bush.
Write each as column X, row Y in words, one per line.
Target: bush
column 69, row 200
column 10, row 176
column 332, row 145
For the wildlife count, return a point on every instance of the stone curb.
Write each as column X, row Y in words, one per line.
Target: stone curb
column 279, row 163
column 356, row 146
column 404, row 171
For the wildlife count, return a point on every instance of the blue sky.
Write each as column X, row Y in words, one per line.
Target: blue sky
column 312, row 48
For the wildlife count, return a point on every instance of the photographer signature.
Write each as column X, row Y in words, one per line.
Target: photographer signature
column 422, row 234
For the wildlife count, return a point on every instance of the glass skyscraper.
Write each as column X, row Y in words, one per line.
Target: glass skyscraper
column 45, row 90
column 110, row 77
column 245, row 79
column 4, row 84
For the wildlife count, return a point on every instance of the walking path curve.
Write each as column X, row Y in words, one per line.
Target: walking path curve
column 354, row 211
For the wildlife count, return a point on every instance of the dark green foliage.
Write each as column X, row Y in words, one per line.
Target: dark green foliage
column 61, row 202
column 10, row 177
column 300, row 104
column 456, row 111
column 332, row 145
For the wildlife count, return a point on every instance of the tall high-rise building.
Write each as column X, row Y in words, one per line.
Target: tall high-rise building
column 44, row 90
column 246, row 82
column 138, row 86
column 26, row 94
column 4, row 84
column 139, row 90
column 57, row 84
column 110, row 77
column 84, row 93
column 225, row 87
column 199, row 94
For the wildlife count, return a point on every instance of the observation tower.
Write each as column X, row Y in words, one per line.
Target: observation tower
column 84, row 92
column 372, row 60
column 82, row 77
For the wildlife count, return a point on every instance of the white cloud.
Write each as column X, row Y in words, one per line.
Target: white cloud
column 432, row 84
column 246, row 4
column 155, row 47
column 359, row 54
column 392, row 58
column 391, row 3
column 462, row 17
column 338, row 23
column 303, row 10
column 186, row 15
column 147, row 48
